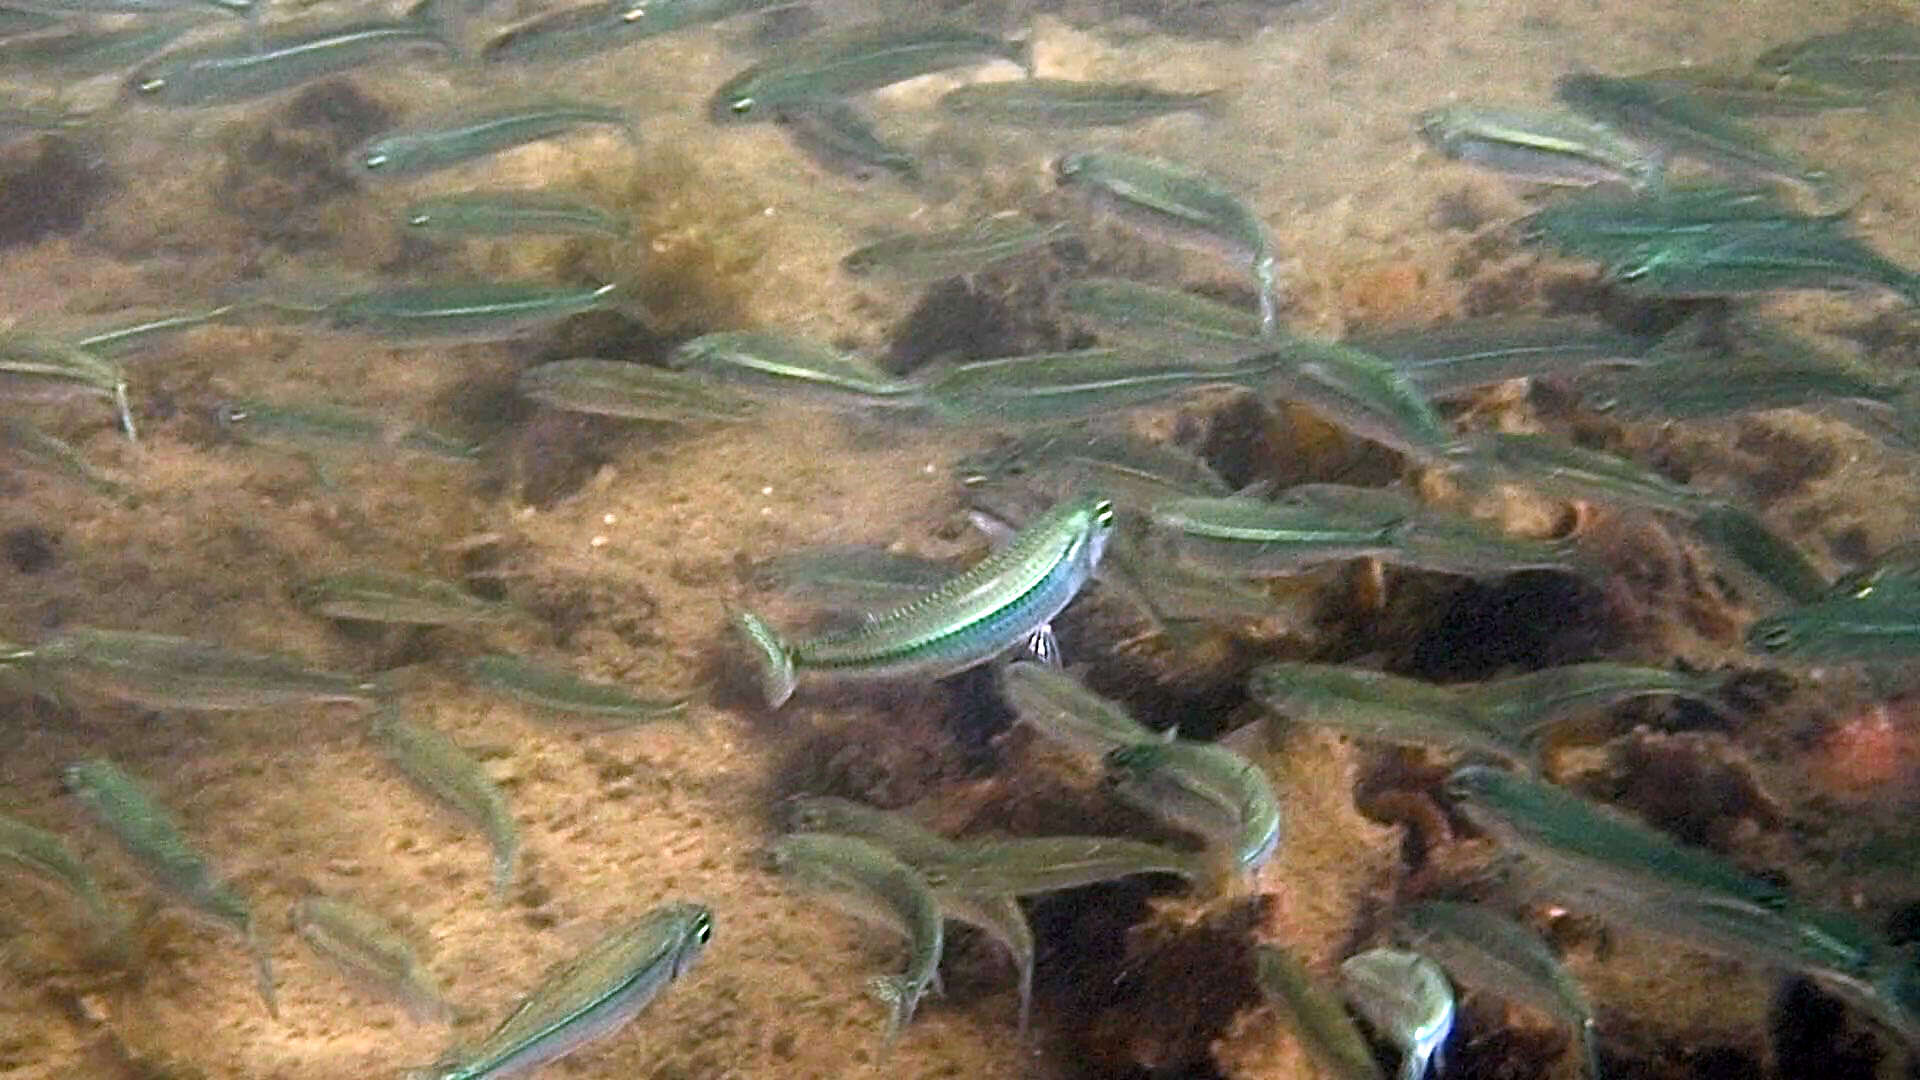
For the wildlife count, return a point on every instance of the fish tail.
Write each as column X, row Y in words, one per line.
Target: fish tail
column 1214, row 104
column 506, row 853
column 1266, row 280
column 1025, row 966
column 444, row 19
column 1023, row 54
column 263, row 972
column 901, row 994
column 121, row 403
column 775, row 657
column 1590, row 1049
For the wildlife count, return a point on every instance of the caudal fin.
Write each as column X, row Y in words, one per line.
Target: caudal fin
column 901, row 994
column 777, row 678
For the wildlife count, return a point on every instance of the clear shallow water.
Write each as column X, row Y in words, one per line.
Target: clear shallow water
column 625, row 541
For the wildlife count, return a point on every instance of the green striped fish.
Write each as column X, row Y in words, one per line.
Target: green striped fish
column 151, row 837
column 1009, row 597
column 589, row 999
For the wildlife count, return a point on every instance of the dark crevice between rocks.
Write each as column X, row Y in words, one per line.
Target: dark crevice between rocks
column 1528, row 620
column 47, row 186
column 283, row 175
column 1123, row 997
column 1815, row 1035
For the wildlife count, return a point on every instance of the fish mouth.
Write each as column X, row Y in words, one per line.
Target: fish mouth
column 733, row 107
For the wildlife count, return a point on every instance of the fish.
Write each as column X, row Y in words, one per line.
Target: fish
column 956, row 252
column 1205, row 788
column 1879, row 54
column 24, row 123
column 1735, row 259
column 1737, row 92
column 242, row 67
column 1541, row 145
column 1056, row 387
column 370, row 951
column 1627, row 871
column 1376, row 705
column 38, row 368
column 39, row 853
column 25, row 444
column 1005, row 599
column 161, row 671
column 587, row 999
column 1608, row 855
column 439, row 767
column 775, row 368
column 1146, row 316
column 80, row 52
column 156, row 843
column 1450, row 359
column 1567, row 471
column 1181, row 205
column 1361, row 393
column 995, row 912
column 851, row 576
column 1759, row 556
column 871, row 884
column 469, row 135
column 842, row 61
column 1523, row 707
column 1450, row 543
column 631, row 392
column 575, row 33
column 560, row 691
column 462, row 313
column 1679, row 123
column 331, row 429
column 1610, row 228
column 1841, row 628
column 1070, row 104
column 1135, row 472
column 1243, row 536
column 379, row 596
column 1405, row 997
column 842, row 139
column 1062, row 709
column 1486, row 950
column 1317, row 1015
column 246, row 9
column 1034, row 865
column 508, row 212
column 127, row 332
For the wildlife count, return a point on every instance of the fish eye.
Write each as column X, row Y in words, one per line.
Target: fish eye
column 419, row 219
column 633, row 13
column 152, row 84
column 373, row 161
column 1103, row 513
column 227, row 415
column 703, row 928
column 741, row 106
column 1773, row 636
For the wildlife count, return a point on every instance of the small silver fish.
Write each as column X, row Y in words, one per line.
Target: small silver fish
column 368, row 950
column 155, row 842
column 588, row 999
column 456, row 138
column 1183, row 206
column 872, row 884
column 1406, row 997
column 443, row 770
